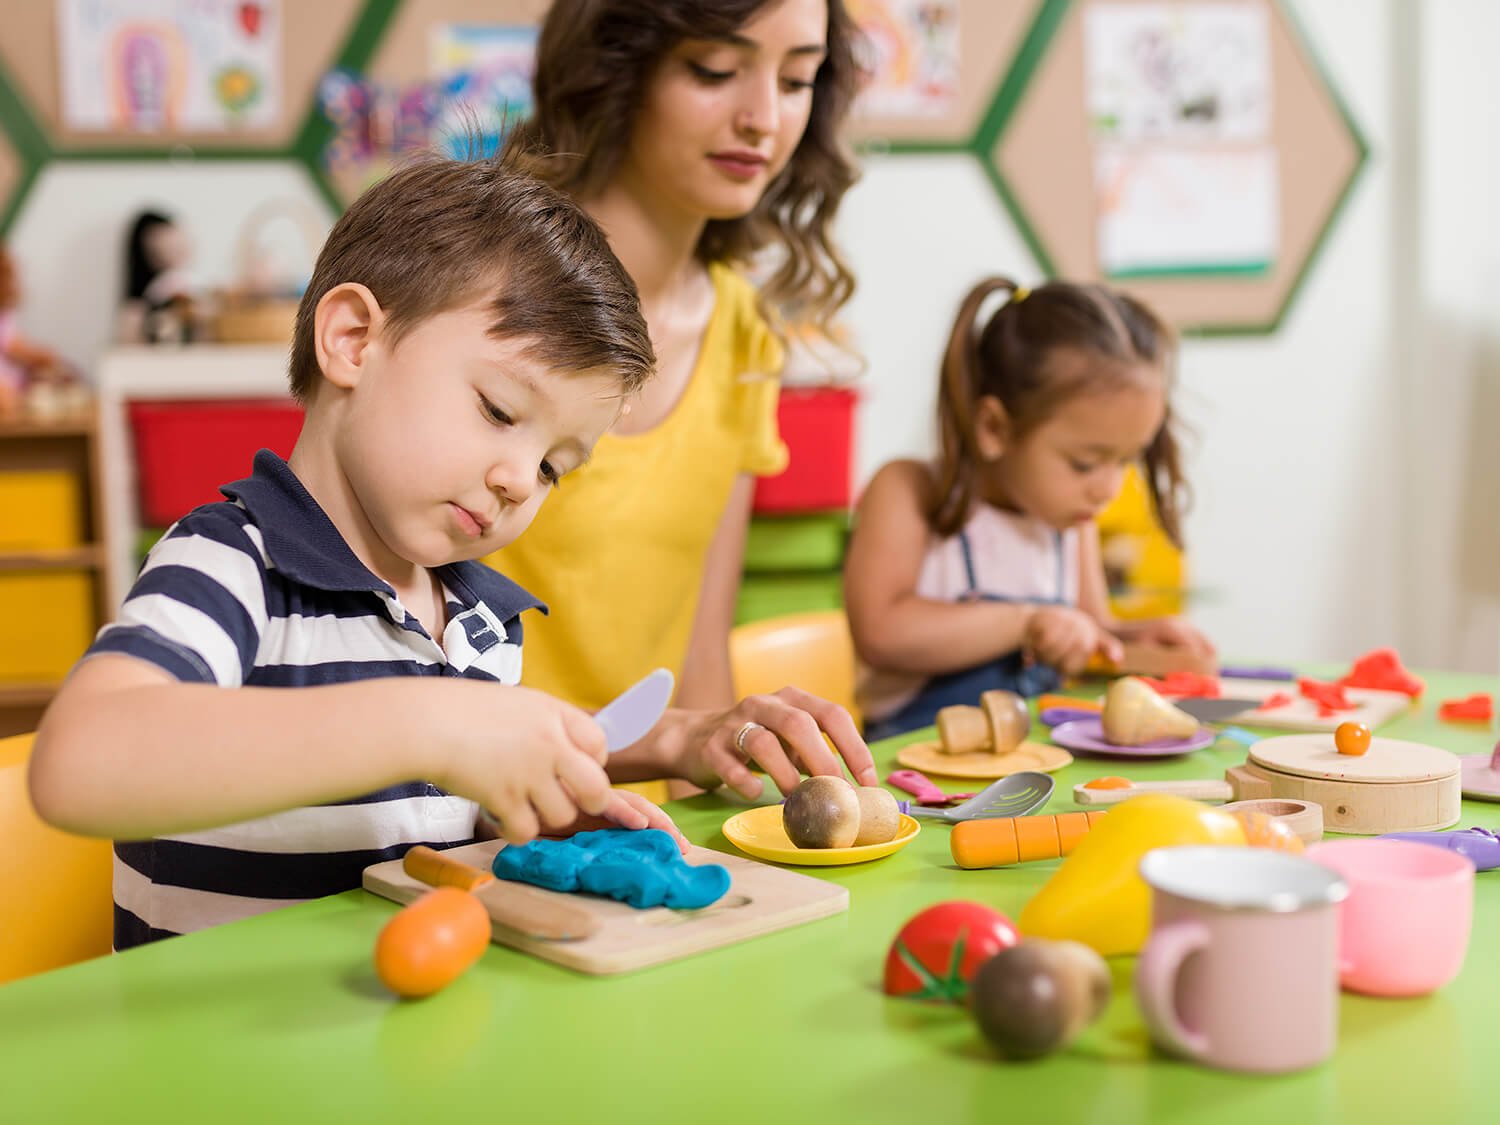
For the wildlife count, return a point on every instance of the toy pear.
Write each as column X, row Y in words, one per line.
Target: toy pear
column 1134, row 715
column 1097, row 896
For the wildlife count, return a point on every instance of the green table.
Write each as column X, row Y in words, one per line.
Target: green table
column 280, row 1018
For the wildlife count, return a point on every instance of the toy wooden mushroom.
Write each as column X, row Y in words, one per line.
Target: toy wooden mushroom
column 1009, row 720
column 963, row 730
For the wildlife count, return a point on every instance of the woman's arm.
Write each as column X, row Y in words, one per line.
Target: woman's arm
column 894, row 628
column 706, row 682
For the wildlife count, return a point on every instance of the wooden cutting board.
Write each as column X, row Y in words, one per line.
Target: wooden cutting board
column 1374, row 708
column 761, row 899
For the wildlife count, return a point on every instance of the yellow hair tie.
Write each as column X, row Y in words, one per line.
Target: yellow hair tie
column 1019, row 293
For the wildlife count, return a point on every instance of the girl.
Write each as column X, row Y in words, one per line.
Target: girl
column 698, row 132
column 984, row 571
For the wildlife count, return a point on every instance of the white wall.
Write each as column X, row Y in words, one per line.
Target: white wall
column 1347, row 481
column 69, row 238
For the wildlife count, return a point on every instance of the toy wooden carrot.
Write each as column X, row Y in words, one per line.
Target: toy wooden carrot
column 1019, row 839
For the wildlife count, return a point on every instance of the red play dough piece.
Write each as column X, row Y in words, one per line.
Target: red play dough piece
column 1381, row 670
column 1477, row 708
column 1186, row 685
column 1274, row 700
column 1330, row 698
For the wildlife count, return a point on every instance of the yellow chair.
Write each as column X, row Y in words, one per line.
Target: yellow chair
column 813, row 651
column 1150, row 574
column 56, row 886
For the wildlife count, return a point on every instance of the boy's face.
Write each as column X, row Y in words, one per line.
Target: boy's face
column 451, row 440
column 1068, row 469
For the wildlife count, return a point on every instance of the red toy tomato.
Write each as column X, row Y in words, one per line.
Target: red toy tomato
column 937, row 952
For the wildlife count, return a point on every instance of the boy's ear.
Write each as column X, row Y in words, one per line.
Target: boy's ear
column 991, row 428
column 348, row 318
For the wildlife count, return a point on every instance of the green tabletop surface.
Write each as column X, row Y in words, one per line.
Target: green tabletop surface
column 281, row 1018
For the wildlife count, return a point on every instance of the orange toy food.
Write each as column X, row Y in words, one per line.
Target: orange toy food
column 1109, row 783
column 1262, row 831
column 1352, row 738
column 431, row 942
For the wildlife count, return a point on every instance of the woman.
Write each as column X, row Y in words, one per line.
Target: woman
column 698, row 133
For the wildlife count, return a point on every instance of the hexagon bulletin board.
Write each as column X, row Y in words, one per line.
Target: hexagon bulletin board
column 1019, row 110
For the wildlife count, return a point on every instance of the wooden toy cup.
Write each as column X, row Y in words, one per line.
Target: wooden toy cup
column 1241, row 969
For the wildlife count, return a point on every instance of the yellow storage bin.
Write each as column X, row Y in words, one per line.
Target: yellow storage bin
column 48, row 623
column 1148, row 576
column 40, row 509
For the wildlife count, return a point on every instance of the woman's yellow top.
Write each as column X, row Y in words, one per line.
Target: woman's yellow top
column 617, row 552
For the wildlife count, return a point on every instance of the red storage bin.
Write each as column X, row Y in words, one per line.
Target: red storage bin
column 185, row 450
column 817, row 424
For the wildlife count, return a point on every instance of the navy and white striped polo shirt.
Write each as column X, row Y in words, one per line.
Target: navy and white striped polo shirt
column 262, row 590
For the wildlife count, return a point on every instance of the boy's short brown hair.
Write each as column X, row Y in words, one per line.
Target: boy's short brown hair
column 438, row 234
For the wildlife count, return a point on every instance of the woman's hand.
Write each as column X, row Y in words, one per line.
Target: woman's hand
column 782, row 734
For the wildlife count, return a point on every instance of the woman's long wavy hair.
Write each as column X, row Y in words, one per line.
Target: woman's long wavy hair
column 594, row 59
column 1013, row 358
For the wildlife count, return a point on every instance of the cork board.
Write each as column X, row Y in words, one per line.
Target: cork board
column 401, row 59
column 312, row 35
column 989, row 35
column 1043, row 154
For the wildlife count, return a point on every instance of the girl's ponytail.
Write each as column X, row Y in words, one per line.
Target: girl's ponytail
column 958, row 396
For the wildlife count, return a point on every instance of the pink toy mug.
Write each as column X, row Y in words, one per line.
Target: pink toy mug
column 1241, row 969
column 1404, row 929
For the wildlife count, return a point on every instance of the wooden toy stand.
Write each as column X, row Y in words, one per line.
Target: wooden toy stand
column 1394, row 787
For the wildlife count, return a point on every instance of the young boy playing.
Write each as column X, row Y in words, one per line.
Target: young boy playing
column 466, row 338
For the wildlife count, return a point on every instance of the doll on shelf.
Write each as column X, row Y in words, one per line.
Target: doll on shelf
column 31, row 376
column 159, row 305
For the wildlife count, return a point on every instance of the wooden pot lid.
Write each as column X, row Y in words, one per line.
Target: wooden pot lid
column 1388, row 761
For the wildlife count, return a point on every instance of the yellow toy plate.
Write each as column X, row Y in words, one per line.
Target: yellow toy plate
column 759, row 832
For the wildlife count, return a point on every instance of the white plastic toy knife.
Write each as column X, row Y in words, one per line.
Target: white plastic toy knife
column 633, row 712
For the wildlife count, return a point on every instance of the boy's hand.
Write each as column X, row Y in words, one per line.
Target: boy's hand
column 531, row 760
column 784, row 737
column 1065, row 638
column 629, row 810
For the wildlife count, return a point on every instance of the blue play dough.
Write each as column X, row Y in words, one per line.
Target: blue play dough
column 640, row 866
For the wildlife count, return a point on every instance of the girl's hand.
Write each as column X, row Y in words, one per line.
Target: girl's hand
column 784, row 738
column 528, row 758
column 1066, row 638
column 1170, row 632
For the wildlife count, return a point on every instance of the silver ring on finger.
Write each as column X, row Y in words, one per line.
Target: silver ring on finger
column 744, row 733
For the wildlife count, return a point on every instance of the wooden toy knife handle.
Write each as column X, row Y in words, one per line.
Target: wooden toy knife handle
column 527, row 910
column 1205, row 790
column 430, row 866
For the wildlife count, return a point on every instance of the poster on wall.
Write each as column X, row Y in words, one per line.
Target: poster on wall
column 1179, row 102
column 910, row 58
column 483, row 73
column 159, row 66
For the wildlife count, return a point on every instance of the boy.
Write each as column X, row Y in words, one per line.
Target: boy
column 466, row 338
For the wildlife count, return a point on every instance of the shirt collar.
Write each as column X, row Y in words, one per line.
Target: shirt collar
column 305, row 546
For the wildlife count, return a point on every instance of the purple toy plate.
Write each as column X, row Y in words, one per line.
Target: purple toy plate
column 1086, row 736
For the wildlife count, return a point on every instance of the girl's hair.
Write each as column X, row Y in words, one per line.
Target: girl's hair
column 594, row 60
column 139, row 269
column 1014, row 358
